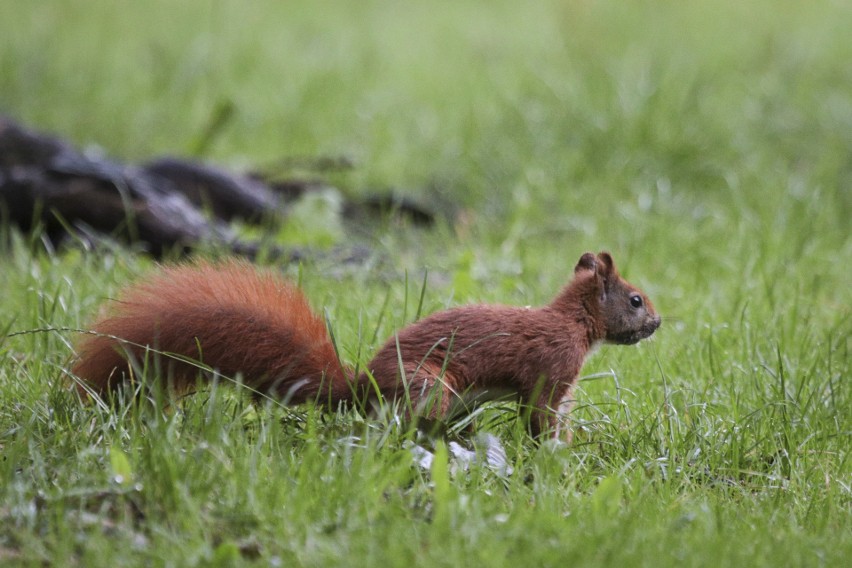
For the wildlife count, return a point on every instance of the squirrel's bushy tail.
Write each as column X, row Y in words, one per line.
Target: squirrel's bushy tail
column 230, row 317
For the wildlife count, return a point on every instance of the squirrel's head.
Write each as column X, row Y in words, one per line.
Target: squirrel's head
column 625, row 311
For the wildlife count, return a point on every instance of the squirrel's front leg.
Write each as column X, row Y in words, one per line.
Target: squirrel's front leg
column 550, row 412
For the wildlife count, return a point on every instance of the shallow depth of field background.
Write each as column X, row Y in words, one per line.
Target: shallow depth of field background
column 707, row 146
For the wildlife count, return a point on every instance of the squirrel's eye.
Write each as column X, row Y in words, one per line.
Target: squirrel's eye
column 636, row 301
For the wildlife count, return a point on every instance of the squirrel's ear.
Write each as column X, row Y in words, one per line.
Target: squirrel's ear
column 586, row 262
column 606, row 265
column 606, row 273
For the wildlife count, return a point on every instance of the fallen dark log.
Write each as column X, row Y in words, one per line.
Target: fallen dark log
column 168, row 204
column 46, row 182
column 226, row 195
column 255, row 196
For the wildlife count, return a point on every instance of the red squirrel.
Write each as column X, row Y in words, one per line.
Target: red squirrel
column 240, row 321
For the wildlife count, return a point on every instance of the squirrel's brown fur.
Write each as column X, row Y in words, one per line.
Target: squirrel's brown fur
column 240, row 321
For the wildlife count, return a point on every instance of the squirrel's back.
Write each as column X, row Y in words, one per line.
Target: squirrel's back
column 210, row 312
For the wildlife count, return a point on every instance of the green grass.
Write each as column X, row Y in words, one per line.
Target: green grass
column 707, row 145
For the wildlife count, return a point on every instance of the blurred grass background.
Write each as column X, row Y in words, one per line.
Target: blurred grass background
column 609, row 125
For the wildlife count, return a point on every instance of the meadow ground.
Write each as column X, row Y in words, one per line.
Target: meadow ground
column 707, row 145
